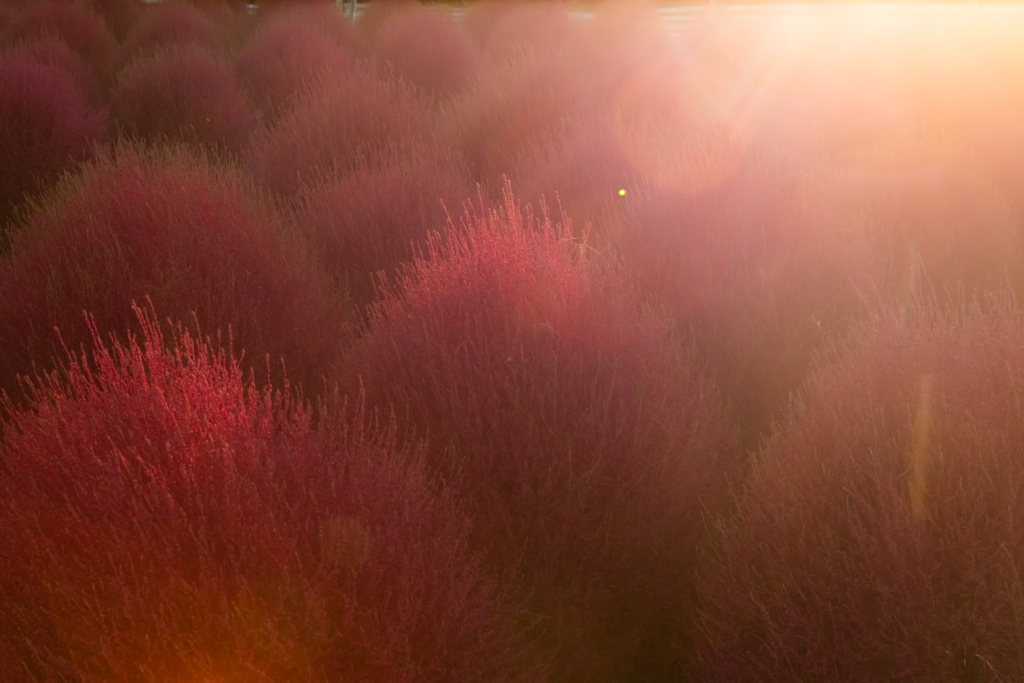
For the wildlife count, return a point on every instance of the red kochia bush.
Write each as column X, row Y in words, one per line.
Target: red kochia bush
column 77, row 24
column 429, row 49
column 879, row 535
column 46, row 126
column 172, row 225
column 284, row 54
column 583, row 440
column 373, row 218
column 333, row 123
column 163, row 519
column 182, row 93
column 169, row 23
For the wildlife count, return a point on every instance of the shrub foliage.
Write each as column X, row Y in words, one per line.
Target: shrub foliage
column 583, row 441
column 878, row 536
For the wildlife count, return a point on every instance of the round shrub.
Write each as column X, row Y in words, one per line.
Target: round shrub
column 46, row 126
column 169, row 23
column 321, row 15
column 582, row 172
column 181, row 93
column 163, row 519
column 504, row 27
column 172, row 225
column 53, row 51
column 429, row 49
column 878, row 535
column 120, row 15
column 375, row 15
column 582, row 438
column 757, row 266
column 372, row 220
column 512, row 109
column 336, row 121
column 77, row 24
column 283, row 55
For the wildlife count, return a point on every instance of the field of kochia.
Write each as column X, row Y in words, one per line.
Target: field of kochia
column 512, row 347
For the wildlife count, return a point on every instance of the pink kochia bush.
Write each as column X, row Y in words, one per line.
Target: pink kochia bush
column 163, row 519
column 173, row 225
column 516, row 106
column 52, row 50
column 756, row 266
column 182, row 93
column 582, row 439
column 332, row 125
column 429, row 49
column 878, row 537
column 169, row 23
column 285, row 53
column 376, row 217
column 46, row 126
column 77, row 24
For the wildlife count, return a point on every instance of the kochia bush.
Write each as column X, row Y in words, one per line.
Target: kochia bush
column 583, row 440
column 175, row 226
column 282, row 56
column 77, row 24
column 46, row 126
column 169, row 23
column 49, row 49
column 429, row 49
column 161, row 518
column 878, row 536
column 375, row 218
column 334, row 123
column 182, row 93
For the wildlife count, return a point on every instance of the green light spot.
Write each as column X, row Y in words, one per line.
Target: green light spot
column 622, row 193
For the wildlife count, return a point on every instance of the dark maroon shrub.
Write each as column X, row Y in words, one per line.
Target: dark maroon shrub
column 374, row 219
column 333, row 123
column 77, row 24
column 163, row 519
column 283, row 55
column 582, row 439
column 171, row 225
column 52, row 50
column 877, row 537
column 46, row 126
column 169, row 23
column 6, row 22
column 181, row 93
column 429, row 49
